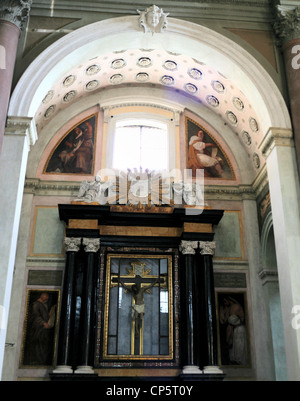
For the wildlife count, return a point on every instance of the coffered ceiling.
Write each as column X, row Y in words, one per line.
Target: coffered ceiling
column 159, row 68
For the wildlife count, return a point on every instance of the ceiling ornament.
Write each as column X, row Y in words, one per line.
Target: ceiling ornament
column 69, row 96
column 190, row 88
column 256, row 161
column 238, row 103
column 153, row 19
column 48, row 97
column 93, row 69
column 116, row 79
column 170, row 65
column 49, row 111
column 68, row 81
column 167, row 80
column 142, row 77
column 253, row 124
column 118, row 63
column 195, row 73
column 92, row 85
column 218, row 86
column 246, row 138
column 232, row 118
column 212, row 101
column 144, row 62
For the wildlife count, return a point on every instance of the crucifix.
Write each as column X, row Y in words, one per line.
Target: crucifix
column 137, row 282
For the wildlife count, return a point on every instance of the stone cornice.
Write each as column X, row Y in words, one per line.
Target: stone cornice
column 223, row 9
column 287, row 23
column 22, row 126
column 276, row 137
column 268, row 275
column 39, row 187
column 15, row 11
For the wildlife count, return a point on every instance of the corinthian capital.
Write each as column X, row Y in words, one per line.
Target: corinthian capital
column 91, row 244
column 15, row 11
column 188, row 247
column 287, row 23
column 72, row 244
column 207, row 247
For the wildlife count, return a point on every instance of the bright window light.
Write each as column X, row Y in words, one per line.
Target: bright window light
column 141, row 144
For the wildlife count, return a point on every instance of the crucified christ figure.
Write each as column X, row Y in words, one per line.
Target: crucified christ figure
column 138, row 309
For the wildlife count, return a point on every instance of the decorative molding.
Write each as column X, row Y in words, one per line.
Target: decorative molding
column 15, row 11
column 268, row 276
column 287, row 23
column 261, row 181
column 153, row 20
column 207, row 247
column 276, row 137
column 91, row 244
column 22, row 126
column 107, row 107
column 37, row 261
column 40, row 187
column 188, row 247
column 72, row 244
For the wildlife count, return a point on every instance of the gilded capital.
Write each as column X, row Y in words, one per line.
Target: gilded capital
column 207, row 247
column 72, row 244
column 287, row 23
column 91, row 244
column 188, row 247
column 15, row 11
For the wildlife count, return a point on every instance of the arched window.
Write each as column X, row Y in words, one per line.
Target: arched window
column 141, row 140
column 140, row 143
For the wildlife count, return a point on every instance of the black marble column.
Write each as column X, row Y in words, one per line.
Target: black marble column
column 207, row 251
column 66, row 327
column 188, row 308
column 91, row 247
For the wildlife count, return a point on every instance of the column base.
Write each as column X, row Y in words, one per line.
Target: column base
column 212, row 370
column 88, row 370
column 63, row 369
column 191, row 370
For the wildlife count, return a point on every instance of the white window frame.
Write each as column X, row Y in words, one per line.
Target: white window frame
column 145, row 116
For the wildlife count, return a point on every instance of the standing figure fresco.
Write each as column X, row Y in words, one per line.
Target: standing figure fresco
column 40, row 328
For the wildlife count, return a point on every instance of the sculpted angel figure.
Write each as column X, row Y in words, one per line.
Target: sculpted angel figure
column 191, row 192
column 89, row 191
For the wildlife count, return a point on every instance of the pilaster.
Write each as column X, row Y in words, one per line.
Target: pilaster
column 278, row 148
column 13, row 162
column 287, row 30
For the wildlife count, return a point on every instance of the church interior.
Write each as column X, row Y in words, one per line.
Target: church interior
column 150, row 159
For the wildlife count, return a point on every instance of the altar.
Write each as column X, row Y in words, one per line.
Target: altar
column 138, row 297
